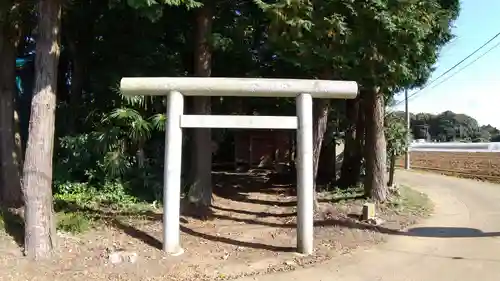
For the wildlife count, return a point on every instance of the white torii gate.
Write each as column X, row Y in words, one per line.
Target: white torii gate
column 177, row 88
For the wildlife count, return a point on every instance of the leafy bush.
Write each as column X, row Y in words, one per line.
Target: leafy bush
column 397, row 136
column 81, row 195
column 111, row 163
column 73, row 222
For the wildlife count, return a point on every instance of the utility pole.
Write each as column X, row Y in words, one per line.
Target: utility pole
column 407, row 154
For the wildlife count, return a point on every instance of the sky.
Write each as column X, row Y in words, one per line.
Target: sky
column 475, row 90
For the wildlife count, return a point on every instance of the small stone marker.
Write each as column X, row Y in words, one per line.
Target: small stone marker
column 122, row 256
column 368, row 211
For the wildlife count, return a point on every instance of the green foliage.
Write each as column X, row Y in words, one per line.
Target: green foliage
column 73, row 222
column 112, row 151
column 410, row 203
column 397, row 136
column 114, row 195
column 153, row 9
column 392, row 44
column 449, row 126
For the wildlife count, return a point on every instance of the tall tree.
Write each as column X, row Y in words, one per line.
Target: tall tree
column 10, row 153
column 375, row 149
column 399, row 43
column 200, row 191
column 308, row 35
column 40, row 234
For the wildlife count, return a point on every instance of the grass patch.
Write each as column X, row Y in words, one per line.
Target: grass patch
column 410, row 202
column 75, row 216
column 67, row 222
column 355, row 193
column 73, row 222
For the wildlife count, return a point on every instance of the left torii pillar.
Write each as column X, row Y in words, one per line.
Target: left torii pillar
column 172, row 174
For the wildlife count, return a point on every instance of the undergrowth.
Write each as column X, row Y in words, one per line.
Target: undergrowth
column 410, row 202
column 79, row 207
column 405, row 202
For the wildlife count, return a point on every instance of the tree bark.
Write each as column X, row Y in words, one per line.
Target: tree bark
column 200, row 191
column 326, row 165
column 355, row 141
column 40, row 234
column 360, row 142
column 376, row 156
column 392, row 169
column 76, row 88
column 347, row 177
column 10, row 153
column 321, row 110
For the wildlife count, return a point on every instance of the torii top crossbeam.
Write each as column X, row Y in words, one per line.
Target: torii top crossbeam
column 249, row 87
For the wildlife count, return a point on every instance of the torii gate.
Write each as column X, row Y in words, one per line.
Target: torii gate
column 176, row 88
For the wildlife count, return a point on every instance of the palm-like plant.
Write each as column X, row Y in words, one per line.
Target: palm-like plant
column 127, row 130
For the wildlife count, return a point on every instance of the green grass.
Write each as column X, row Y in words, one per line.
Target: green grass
column 73, row 222
column 345, row 195
column 407, row 203
column 79, row 212
column 411, row 202
column 67, row 222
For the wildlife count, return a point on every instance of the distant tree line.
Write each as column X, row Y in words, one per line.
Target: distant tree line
column 449, row 126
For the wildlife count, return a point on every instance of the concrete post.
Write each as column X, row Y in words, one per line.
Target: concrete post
column 305, row 175
column 407, row 152
column 172, row 174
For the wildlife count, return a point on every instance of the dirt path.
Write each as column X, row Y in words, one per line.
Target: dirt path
column 461, row 242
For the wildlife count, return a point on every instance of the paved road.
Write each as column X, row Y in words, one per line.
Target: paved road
column 461, row 242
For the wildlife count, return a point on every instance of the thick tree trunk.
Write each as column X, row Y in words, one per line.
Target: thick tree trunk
column 375, row 181
column 10, row 153
column 200, row 191
column 40, row 234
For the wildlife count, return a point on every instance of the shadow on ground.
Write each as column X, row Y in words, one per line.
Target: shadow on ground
column 437, row 232
column 449, row 232
column 237, row 186
column 13, row 224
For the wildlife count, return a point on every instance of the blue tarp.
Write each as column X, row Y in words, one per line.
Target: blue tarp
column 20, row 63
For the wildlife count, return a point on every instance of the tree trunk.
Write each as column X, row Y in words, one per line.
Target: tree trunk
column 76, row 88
column 321, row 110
column 360, row 143
column 392, row 169
column 375, row 181
column 200, row 191
column 40, row 234
column 10, row 153
column 326, row 166
column 347, row 177
column 355, row 141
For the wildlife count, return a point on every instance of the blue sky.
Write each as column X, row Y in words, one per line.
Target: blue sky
column 474, row 91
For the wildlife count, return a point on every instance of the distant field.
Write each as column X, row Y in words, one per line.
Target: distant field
column 479, row 165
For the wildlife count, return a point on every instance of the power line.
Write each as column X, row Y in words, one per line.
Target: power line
column 467, row 65
column 455, row 66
